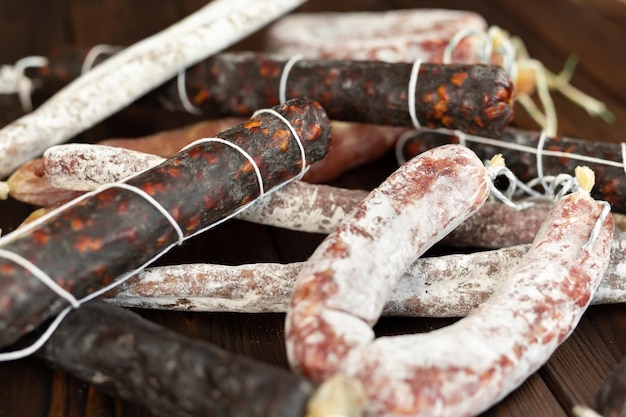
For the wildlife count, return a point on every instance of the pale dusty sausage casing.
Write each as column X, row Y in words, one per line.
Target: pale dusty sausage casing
column 342, row 288
column 463, row 369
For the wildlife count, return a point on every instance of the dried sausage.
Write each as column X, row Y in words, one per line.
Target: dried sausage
column 504, row 340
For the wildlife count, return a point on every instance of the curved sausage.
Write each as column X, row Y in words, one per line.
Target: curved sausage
column 503, row 341
column 334, row 303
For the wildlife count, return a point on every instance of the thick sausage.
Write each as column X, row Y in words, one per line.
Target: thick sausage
column 342, row 288
column 503, row 341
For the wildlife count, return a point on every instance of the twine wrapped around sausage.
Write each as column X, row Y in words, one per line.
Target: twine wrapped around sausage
column 86, row 244
column 536, row 158
column 473, row 98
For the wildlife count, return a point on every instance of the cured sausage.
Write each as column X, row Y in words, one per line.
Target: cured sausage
column 334, row 303
column 611, row 400
column 167, row 373
column 504, row 340
column 391, row 36
column 120, row 228
column 473, row 98
column 523, row 149
column 131, row 73
column 435, row 286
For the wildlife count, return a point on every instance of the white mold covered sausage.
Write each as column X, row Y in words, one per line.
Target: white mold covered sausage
column 465, row 368
column 342, row 288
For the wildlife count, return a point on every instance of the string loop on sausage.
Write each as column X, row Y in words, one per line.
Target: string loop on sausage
column 76, row 303
column 40, row 274
column 411, row 94
column 282, row 86
column 182, row 94
column 606, row 209
column 152, row 201
column 95, row 52
column 295, row 135
column 13, row 80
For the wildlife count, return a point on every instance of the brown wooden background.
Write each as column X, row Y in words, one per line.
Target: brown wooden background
column 592, row 29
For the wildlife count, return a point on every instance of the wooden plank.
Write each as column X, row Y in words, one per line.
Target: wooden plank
column 29, row 389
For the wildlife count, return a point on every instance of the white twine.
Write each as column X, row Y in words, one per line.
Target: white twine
column 606, row 209
column 415, row 69
column 490, row 43
column 513, row 184
column 75, row 303
column 623, row 148
column 533, row 150
column 41, row 275
column 152, row 201
column 182, row 94
column 95, row 52
column 554, row 186
column 282, row 86
column 13, row 80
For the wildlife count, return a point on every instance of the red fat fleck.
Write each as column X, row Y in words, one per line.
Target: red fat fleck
column 459, row 78
column 209, row 203
column 252, row 124
column 497, row 110
column 193, row 223
column 40, row 237
column 200, row 97
column 77, row 224
column 87, row 244
column 281, row 138
column 172, row 172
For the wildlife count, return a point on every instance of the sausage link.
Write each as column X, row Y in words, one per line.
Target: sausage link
column 435, row 286
column 334, row 304
column 169, row 374
column 391, row 36
column 505, row 339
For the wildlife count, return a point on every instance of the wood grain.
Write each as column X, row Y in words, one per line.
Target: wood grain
column 594, row 30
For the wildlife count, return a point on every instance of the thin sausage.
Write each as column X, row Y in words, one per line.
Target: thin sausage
column 442, row 286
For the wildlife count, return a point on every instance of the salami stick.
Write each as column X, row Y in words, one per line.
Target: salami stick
column 87, row 243
column 391, row 36
column 352, row 144
column 297, row 206
column 133, row 72
column 169, row 374
column 473, row 98
column 527, row 151
column 505, row 339
column 398, row 221
column 443, row 286
column 441, row 36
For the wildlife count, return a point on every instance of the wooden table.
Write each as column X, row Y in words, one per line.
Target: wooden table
column 594, row 30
